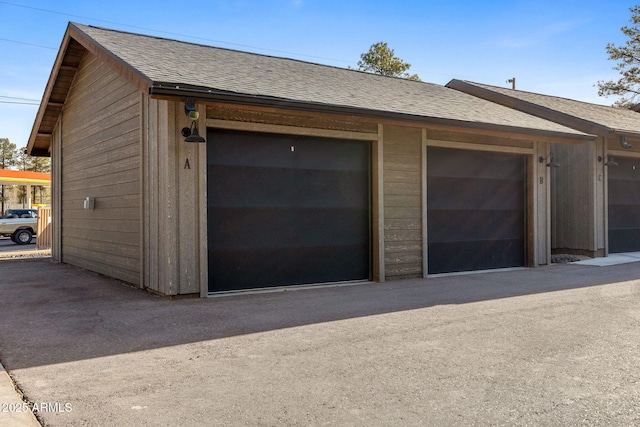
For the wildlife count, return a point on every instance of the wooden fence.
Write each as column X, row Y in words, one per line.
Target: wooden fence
column 44, row 238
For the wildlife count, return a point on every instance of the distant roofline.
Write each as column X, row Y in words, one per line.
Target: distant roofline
column 502, row 97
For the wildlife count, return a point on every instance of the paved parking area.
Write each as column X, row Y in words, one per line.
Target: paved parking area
column 557, row 345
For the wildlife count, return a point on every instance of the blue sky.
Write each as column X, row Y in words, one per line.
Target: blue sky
column 552, row 47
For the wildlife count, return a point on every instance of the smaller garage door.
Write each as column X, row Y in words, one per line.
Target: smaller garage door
column 475, row 210
column 624, row 205
column 286, row 210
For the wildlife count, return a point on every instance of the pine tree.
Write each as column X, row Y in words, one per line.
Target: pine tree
column 380, row 59
column 628, row 57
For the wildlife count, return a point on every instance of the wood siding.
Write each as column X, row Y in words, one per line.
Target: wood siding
column 288, row 118
column 573, row 214
column 174, row 182
column 100, row 158
column 56, row 192
column 45, row 229
column 402, row 202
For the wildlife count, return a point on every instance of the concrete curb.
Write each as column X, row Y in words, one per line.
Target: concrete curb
column 13, row 411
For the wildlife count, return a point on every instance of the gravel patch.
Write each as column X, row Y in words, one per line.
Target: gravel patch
column 44, row 253
column 567, row 258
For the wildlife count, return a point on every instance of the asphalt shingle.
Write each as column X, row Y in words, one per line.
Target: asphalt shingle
column 611, row 118
column 176, row 63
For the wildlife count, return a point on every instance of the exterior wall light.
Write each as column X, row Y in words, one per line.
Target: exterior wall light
column 608, row 160
column 624, row 143
column 191, row 133
column 551, row 164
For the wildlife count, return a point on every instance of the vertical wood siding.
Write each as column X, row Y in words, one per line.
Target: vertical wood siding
column 573, row 198
column 154, row 136
column 56, row 193
column 174, row 182
column 100, row 158
column 402, row 202
column 539, row 206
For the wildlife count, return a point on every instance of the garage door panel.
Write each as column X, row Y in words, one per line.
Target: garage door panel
column 276, row 266
column 477, row 193
column 267, row 187
column 472, row 163
column 246, row 228
column 475, row 225
column 621, row 193
column 624, row 240
column 624, row 216
column 446, row 257
column 286, row 210
column 275, row 151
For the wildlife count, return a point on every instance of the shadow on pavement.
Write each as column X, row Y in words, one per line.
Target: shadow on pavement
column 54, row 313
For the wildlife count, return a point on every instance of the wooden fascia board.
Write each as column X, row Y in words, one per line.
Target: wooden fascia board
column 132, row 75
column 167, row 92
column 499, row 131
column 530, row 108
column 57, row 65
column 619, row 133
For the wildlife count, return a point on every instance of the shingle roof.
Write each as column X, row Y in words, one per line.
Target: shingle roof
column 171, row 62
column 161, row 64
column 588, row 117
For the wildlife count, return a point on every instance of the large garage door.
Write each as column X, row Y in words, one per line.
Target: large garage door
column 286, row 210
column 475, row 210
column 624, row 206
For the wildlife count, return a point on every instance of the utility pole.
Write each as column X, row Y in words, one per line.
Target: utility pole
column 513, row 83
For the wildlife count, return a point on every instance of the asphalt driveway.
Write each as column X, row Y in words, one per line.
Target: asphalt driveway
column 557, row 345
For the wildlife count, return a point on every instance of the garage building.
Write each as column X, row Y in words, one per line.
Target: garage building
column 304, row 174
column 595, row 195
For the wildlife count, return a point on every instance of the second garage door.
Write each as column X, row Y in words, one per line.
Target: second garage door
column 475, row 210
column 286, row 210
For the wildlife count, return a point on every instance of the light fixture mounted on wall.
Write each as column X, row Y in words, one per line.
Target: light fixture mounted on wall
column 608, row 160
column 551, row 164
column 191, row 133
column 624, row 143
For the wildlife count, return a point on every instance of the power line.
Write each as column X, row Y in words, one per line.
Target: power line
column 164, row 32
column 180, row 35
column 20, row 103
column 28, row 44
column 21, row 99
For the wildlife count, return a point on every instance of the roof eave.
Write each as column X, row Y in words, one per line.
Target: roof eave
column 47, row 93
column 131, row 74
column 625, row 133
column 73, row 33
column 172, row 91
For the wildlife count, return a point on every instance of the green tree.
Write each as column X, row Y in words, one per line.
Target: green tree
column 7, row 159
column 627, row 87
column 22, row 160
column 380, row 59
column 39, row 164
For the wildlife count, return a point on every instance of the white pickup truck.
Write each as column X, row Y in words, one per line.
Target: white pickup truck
column 20, row 228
